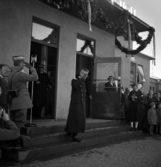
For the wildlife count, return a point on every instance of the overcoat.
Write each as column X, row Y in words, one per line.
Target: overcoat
column 11, row 132
column 133, row 106
column 77, row 110
column 152, row 116
column 110, row 87
column 19, row 82
column 4, row 95
column 41, row 90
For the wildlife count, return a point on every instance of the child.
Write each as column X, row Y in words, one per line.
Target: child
column 159, row 117
column 152, row 118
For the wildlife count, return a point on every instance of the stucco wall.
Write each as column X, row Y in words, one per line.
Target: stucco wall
column 126, row 66
column 125, row 78
column 16, row 27
column 146, row 67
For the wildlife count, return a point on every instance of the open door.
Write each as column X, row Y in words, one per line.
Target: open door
column 106, row 104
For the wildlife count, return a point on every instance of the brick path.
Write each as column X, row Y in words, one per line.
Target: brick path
column 137, row 153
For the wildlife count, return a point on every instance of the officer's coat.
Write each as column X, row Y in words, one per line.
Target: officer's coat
column 19, row 82
column 77, row 110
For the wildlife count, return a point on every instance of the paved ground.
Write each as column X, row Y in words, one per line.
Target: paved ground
column 137, row 153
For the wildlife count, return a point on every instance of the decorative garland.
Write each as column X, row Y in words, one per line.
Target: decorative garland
column 143, row 43
column 98, row 13
column 134, row 35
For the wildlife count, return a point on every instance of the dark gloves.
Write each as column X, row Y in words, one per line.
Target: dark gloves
column 27, row 65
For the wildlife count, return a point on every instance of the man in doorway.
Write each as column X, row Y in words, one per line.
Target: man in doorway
column 4, row 88
column 4, row 103
column 18, row 80
column 40, row 92
column 77, row 110
column 110, row 85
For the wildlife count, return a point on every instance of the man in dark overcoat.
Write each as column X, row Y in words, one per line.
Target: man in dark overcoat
column 18, row 79
column 41, row 88
column 4, row 103
column 4, row 88
column 77, row 110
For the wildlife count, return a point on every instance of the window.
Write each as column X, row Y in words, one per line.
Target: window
column 85, row 45
column 133, row 73
column 44, row 32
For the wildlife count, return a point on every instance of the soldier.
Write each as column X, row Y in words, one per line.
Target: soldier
column 77, row 110
column 40, row 92
column 17, row 79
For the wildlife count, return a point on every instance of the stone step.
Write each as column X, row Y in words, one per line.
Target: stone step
column 65, row 148
column 55, row 128
column 62, row 136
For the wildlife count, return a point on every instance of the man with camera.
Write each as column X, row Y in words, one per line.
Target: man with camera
column 17, row 80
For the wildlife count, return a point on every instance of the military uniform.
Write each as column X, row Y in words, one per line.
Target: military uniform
column 77, row 110
column 20, row 104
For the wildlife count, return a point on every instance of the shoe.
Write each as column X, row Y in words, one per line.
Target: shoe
column 75, row 139
column 131, row 129
column 135, row 129
column 151, row 134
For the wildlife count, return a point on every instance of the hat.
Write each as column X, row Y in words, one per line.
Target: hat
column 152, row 103
column 18, row 58
column 41, row 66
column 139, row 86
column 110, row 77
column 85, row 71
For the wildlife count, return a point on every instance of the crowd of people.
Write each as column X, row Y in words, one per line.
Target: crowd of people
column 142, row 111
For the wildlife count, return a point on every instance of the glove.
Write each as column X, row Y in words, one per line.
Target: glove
column 27, row 65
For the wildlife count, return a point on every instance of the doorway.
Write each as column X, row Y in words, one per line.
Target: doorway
column 47, row 56
column 84, row 61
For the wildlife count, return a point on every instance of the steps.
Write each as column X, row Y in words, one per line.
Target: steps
column 51, row 141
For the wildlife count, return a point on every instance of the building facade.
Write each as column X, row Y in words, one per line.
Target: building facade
column 58, row 39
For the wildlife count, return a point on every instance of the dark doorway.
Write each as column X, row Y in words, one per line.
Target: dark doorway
column 47, row 55
column 84, row 61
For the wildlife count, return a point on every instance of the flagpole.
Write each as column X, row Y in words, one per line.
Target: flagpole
column 154, row 48
column 129, row 35
column 89, row 15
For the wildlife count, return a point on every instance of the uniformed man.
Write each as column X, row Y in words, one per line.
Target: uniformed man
column 41, row 87
column 17, row 79
column 77, row 110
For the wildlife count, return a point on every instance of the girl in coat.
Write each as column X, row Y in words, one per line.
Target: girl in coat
column 152, row 118
column 159, row 117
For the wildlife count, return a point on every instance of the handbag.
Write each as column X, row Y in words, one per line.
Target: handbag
column 13, row 92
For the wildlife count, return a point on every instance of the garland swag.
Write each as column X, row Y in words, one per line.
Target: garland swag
column 118, row 25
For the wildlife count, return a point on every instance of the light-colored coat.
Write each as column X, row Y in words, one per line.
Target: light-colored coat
column 19, row 82
column 152, row 116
